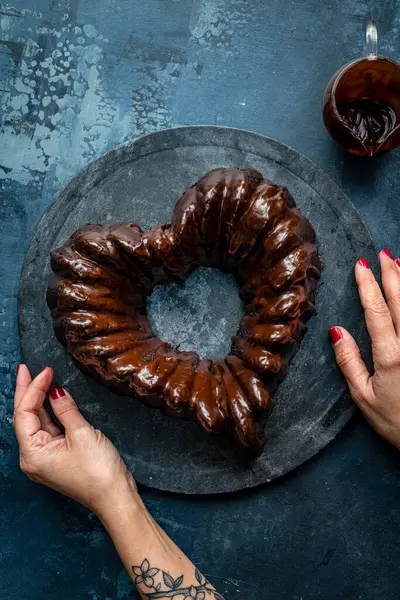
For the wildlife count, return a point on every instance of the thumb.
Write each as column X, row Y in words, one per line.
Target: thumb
column 65, row 409
column 351, row 364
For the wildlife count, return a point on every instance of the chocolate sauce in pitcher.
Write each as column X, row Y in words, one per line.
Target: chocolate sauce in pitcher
column 371, row 121
column 361, row 108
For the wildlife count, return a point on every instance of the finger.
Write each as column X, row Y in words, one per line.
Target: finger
column 22, row 383
column 351, row 364
column 377, row 315
column 391, row 285
column 26, row 415
column 66, row 410
column 47, row 424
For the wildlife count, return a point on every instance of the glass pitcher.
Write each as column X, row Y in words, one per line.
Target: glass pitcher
column 361, row 108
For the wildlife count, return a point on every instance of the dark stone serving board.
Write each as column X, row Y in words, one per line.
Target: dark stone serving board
column 141, row 181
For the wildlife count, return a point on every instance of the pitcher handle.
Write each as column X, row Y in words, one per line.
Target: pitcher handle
column 371, row 40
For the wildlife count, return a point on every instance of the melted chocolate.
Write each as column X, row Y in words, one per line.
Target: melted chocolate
column 230, row 219
column 370, row 120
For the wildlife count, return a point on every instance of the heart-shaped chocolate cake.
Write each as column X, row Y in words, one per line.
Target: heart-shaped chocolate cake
column 232, row 220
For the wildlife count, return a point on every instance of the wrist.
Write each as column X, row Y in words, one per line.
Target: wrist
column 120, row 500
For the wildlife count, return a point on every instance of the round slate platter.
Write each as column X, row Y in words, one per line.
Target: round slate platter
column 140, row 181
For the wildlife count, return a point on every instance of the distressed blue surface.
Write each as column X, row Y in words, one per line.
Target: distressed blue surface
column 78, row 77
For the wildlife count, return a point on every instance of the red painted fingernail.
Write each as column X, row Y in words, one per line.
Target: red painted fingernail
column 387, row 253
column 364, row 263
column 56, row 392
column 397, row 261
column 17, row 369
column 44, row 368
column 335, row 335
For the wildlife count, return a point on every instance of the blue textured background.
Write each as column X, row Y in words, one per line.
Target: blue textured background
column 78, row 77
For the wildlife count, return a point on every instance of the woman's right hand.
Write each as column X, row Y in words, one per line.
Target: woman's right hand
column 79, row 462
column 377, row 395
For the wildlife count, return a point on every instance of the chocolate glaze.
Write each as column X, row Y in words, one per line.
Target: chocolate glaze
column 230, row 219
column 370, row 120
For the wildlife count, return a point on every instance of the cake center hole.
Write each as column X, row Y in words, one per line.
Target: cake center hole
column 200, row 315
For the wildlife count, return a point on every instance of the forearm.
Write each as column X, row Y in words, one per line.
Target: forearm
column 157, row 567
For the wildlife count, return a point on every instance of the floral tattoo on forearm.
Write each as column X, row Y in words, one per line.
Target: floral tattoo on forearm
column 157, row 584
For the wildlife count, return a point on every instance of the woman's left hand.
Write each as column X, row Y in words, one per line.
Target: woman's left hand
column 79, row 462
column 83, row 464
